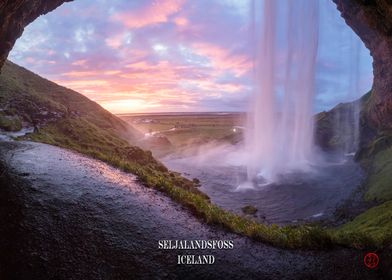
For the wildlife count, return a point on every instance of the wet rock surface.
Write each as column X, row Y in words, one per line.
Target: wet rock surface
column 65, row 216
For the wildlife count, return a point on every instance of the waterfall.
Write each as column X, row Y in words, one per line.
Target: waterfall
column 347, row 115
column 355, row 91
column 279, row 136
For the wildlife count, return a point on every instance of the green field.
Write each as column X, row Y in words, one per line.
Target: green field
column 184, row 130
column 208, row 126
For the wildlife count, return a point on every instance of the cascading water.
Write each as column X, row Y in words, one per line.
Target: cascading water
column 355, row 93
column 346, row 124
column 280, row 127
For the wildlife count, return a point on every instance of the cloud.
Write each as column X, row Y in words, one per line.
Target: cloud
column 151, row 14
column 222, row 59
column 119, row 40
column 181, row 21
column 80, row 62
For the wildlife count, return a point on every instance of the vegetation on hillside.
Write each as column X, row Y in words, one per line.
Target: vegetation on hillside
column 37, row 101
column 374, row 226
column 379, row 181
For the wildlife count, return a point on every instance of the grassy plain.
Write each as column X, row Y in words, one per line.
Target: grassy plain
column 184, row 129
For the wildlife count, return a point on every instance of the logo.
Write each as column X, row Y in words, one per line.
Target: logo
column 371, row 260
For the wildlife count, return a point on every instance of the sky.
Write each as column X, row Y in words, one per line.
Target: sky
column 176, row 55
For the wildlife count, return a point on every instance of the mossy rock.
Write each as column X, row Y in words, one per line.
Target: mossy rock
column 249, row 210
column 10, row 123
column 196, row 181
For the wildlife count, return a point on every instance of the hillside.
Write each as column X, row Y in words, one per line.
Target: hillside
column 374, row 155
column 37, row 101
column 67, row 119
column 328, row 137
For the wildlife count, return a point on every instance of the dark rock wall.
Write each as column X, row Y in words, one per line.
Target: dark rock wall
column 15, row 15
column 372, row 21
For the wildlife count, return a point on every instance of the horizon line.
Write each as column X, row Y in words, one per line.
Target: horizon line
column 182, row 112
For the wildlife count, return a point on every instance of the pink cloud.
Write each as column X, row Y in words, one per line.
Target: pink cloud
column 207, row 85
column 118, row 40
column 222, row 59
column 83, row 74
column 157, row 12
column 114, row 41
column 80, row 62
column 181, row 21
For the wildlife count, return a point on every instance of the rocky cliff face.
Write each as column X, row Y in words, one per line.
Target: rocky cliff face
column 372, row 21
column 335, row 129
column 15, row 15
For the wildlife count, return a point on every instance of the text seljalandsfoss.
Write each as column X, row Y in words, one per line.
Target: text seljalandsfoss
column 190, row 259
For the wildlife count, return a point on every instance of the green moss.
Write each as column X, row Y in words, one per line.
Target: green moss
column 370, row 229
column 380, row 143
column 380, row 178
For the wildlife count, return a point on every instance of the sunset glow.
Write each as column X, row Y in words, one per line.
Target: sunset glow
column 169, row 55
